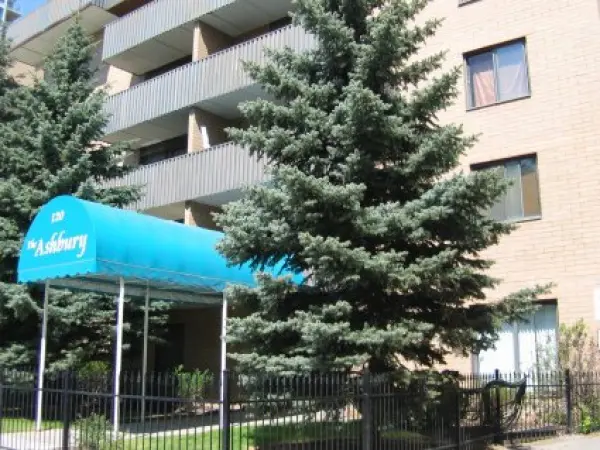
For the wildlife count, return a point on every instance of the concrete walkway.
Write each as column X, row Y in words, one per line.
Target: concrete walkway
column 573, row 442
column 32, row 440
column 52, row 439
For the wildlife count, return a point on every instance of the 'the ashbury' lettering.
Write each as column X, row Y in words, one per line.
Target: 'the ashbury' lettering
column 58, row 244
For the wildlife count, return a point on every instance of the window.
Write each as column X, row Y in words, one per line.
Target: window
column 167, row 67
column 524, row 346
column 522, row 199
column 497, row 75
column 170, row 148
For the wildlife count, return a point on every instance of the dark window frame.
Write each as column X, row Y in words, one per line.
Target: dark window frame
column 490, row 165
column 493, row 49
column 164, row 150
column 475, row 357
column 165, row 68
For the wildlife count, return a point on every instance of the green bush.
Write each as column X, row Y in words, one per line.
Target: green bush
column 192, row 386
column 590, row 420
column 93, row 433
column 421, row 401
column 94, row 369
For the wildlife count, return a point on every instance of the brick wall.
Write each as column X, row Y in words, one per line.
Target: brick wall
column 24, row 73
column 559, row 123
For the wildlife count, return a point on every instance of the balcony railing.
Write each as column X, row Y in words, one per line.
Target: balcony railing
column 197, row 175
column 46, row 16
column 207, row 79
column 153, row 19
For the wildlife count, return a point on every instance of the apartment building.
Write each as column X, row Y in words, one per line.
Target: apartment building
column 531, row 86
column 8, row 11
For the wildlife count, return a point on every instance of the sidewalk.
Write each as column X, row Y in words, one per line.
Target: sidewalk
column 570, row 442
column 573, row 442
column 32, row 440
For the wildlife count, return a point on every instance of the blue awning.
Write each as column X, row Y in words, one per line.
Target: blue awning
column 83, row 245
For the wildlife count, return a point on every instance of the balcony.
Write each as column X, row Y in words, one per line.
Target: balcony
column 213, row 176
column 34, row 35
column 157, row 109
column 9, row 11
column 161, row 32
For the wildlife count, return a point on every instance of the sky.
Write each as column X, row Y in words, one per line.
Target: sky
column 26, row 6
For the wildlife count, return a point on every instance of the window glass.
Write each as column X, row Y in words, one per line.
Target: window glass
column 512, row 77
column 513, row 196
column 530, row 184
column 502, row 356
column 163, row 150
column 524, row 347
column 481, row 69
column 498, row 211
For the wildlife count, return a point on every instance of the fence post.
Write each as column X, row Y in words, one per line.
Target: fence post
column 569, row 400
column 1, row 404
column 458, row 415
column 66, row 410
column 498, row 412
column 226, row 408
column 367, row 413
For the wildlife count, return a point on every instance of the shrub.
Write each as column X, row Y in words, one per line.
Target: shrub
column 93, row 433
column 94, row 369
column 92, row 377
column 192, row 386
column 590, row 420
column 577, row 351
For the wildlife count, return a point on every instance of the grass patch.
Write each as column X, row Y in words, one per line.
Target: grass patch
column 404, row 435
column 200, row 441
column 244, row 437
column 18, row 425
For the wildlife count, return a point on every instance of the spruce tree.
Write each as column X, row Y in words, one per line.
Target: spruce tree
column 52, row 146
column 366, row 200
column 7, row 82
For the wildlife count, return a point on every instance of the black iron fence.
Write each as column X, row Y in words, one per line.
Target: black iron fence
column 328, row 411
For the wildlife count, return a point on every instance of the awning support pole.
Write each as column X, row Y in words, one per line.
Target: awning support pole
column 42, row 360
column 118, row 357
column 223, row 362
column 145, row 352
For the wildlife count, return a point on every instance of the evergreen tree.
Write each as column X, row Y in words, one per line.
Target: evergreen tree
column 7, row 83
column 52, row 146
column 366, row 201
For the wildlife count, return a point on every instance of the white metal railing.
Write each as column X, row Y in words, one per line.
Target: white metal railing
column 191, row 84
column 45, row 16
column 153, row 19
column 204, row 173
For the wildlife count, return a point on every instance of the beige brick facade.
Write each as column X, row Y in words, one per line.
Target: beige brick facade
column 558, row 123
column 208, row 40
column 214, row 130
column 118, row 80
column 24, row 73
column 202, row 328
column 199, row 215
